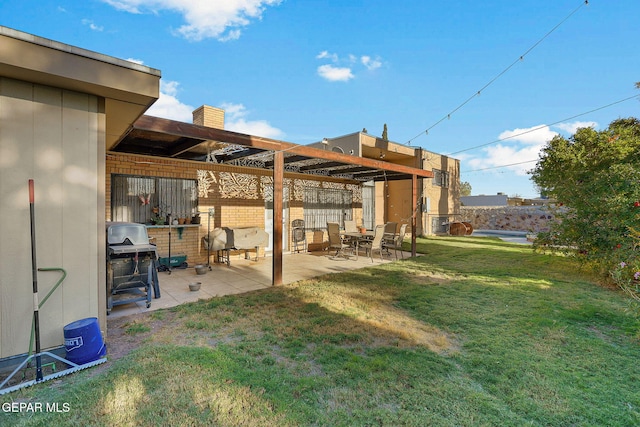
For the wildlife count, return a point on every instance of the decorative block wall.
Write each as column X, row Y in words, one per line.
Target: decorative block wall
column 513, row 218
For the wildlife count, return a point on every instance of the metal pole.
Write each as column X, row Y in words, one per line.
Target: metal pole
column 169, row 261
column 212, row 212
column 34, row 274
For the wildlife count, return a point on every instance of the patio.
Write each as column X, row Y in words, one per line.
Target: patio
column 244, row 276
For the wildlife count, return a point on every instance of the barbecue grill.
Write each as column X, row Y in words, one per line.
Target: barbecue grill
column 131, row 265
column 224, row 239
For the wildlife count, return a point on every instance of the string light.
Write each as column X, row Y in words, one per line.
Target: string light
column 545, row 126
column 502, row 166
column 520, row 58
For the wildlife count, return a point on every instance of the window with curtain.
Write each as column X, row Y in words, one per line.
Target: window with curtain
column 142, row 198
column 322, row 205
column 369, row 205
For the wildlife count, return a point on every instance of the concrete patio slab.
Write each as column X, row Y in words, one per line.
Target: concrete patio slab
column 244, row 276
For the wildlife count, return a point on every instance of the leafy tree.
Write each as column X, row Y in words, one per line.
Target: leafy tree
column 465, row 188
column 385, row 137
column 595, row 178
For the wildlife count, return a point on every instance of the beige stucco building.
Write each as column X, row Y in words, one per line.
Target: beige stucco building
column 438, row 198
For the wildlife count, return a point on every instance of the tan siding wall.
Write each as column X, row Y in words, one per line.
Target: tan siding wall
column 56, row 138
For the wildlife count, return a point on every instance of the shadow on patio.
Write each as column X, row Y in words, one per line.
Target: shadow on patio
column 243, row 276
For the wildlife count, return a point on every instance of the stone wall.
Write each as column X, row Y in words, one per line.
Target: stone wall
column 512, row 218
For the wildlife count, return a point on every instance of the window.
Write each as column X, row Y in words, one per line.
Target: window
column 439, row 224
column 369, row 205
column 322, row 205
column 441, row 178
column 141, row 198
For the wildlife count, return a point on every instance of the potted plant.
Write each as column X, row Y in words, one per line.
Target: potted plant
column 157, row 220
column 181, row 218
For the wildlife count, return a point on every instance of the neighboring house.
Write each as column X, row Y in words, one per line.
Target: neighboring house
column 73, row 121
column 390, row 199
column 499, row 199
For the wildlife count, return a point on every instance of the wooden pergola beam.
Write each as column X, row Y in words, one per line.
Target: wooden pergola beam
column 321, row 166
column 185, row 145
column 171, row 127
column 239, row 155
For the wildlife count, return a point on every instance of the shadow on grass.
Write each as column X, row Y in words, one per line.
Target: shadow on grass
column 471, row 331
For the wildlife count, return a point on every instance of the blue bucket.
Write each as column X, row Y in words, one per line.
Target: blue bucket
column 83, row 341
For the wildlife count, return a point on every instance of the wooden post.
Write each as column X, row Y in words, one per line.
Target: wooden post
column 278, row 180
column 414, row 207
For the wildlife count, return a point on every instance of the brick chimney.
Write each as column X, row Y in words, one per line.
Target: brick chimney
column 208, row 116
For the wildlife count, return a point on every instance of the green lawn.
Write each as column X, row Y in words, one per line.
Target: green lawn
column 476, row 332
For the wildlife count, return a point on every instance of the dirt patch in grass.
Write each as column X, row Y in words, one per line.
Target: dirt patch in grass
column 125, row 334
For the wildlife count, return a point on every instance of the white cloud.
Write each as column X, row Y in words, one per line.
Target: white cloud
column 168, row 106
column 520, row 145
column 371, row 64
column 136, row 61
column 92, row 25
column 501, row 155
column 235, row 120
column 130, row 6
column 222, row 20
column 326, row 55
column 335, row 74
column 343, row 70
column 573, row 127
column 536, row 135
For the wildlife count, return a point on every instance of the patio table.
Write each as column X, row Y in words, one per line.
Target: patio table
column 357, row 237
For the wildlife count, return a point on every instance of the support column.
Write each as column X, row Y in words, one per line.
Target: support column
column 414, row 207
column 278, row 180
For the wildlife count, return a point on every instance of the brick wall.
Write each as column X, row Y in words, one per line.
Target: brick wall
column 236, row 194
column 184, row 240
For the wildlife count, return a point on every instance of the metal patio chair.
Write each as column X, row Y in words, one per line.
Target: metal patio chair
column 396, row 243
column 376, row 243
column 299, row 235
column 335, row 241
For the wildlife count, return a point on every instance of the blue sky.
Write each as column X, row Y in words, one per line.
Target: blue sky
column 304, row 70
